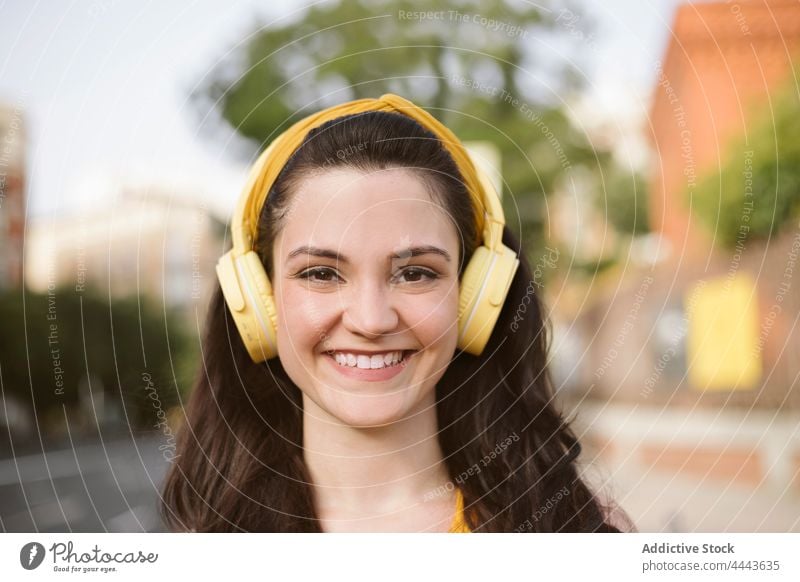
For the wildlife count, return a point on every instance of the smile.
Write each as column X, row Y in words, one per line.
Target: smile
column 372, row 367
column 370, row 362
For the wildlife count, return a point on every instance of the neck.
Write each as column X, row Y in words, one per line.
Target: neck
column 371, row 470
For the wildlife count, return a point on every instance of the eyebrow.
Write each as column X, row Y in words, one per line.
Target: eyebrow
column 403, row 254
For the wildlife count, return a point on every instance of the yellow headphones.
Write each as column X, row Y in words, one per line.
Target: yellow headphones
column 248, row 291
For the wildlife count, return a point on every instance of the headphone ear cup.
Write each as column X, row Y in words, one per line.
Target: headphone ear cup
column 472, row 281
column 248, row 294
column 264, row 307
column 474, row 273
column 484, row 288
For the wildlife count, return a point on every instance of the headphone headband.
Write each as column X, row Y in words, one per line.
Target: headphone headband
column 244, row 223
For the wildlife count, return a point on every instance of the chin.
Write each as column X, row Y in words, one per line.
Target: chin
column 367, row 410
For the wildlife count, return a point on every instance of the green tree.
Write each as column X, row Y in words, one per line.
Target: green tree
column 757, row 190
column 50, row 344
column 473, row 64
column 624, row 201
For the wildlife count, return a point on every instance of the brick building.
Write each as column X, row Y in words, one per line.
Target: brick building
column 653, row 339
column 716, row 452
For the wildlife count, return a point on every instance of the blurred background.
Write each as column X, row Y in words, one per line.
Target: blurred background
column 649, row 161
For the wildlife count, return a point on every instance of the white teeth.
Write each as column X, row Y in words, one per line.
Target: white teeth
column 368, row 362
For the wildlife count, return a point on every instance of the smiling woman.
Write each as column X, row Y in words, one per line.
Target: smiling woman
column 360, row 373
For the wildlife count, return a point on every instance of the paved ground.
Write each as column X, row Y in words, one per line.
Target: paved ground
column 93, row 487
column 114, row 485
column 694, row 495
column 665, row 502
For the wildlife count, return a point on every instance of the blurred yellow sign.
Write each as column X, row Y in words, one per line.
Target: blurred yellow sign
column 722, row 337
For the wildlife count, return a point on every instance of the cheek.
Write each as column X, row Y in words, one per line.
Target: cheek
column 433, row 321
column 304, row 318
column 301, row 306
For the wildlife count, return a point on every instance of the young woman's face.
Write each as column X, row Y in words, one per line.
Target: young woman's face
column 366, row 269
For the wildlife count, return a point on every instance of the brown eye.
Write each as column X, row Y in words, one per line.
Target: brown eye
column 319, row 275
column 417, row 275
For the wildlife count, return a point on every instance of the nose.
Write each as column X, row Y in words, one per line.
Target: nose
column 369, row 311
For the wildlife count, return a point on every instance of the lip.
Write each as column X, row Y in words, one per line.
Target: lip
column 377, row 375
column 367, row 352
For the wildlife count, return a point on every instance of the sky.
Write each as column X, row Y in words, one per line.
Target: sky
column 104, row 86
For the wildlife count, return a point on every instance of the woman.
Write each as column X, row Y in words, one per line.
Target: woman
column 365, row 365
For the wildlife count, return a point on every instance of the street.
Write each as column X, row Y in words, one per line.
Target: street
column 97, row 486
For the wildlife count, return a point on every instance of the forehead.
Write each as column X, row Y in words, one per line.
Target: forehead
column 365, row 212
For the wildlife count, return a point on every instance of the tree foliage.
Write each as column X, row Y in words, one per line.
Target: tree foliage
column 53, row 345
column 757, row 190
column 469, row 66
column 625, row 204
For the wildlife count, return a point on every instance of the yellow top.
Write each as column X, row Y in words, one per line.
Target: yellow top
column 458, row 525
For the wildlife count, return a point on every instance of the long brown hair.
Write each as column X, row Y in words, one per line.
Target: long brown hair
column 239, row 464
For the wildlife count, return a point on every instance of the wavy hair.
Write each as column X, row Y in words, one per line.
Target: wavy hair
column 239, row 462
